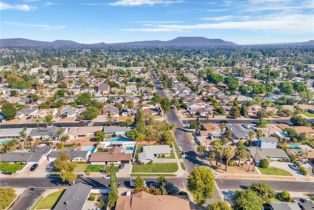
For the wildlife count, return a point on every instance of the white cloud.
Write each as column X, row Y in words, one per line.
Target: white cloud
column 45, row 27
column 218, row 18
column 21, row 7
column 286, row 22
column 143, row 2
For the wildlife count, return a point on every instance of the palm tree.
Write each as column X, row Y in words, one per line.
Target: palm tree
column 228, row 153
column 217, row 149
column 241, row 152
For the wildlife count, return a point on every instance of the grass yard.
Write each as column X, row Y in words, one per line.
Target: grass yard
column 155, row 168
column 274, row 171
column 81, row 167
column 182, row 166
column 11, row 167
column 49, row 201
column 94, row 168
column 177, row 150
column 308, row 114
column 150, row 175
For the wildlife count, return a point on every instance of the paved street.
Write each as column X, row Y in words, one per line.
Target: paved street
column 26, row 200
column 98, row 182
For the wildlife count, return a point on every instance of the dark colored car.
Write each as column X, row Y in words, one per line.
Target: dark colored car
column 152, row 184
column 34, row 166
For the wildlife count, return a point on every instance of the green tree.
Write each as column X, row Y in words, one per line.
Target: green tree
column 264, row 163
column 286, row 87
column 219, row 205
column 284, row 196
column 68, row 172
column 84, row 99
column 241, row 152
column 113, row 193
column 263, row 190
column 100, row 135
column 228, row 152
column 213, row 77
column 8, row 111
column 201, row 184
column 298, row 120
column 167, row 137
column 139, row 182
column 165, row 104
column 247, row 200
column 90, row 113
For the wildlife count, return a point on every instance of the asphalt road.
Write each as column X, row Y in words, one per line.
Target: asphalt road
column 27, row 198
column 97, row 182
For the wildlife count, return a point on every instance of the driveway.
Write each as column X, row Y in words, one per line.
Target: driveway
column 26, row 200
column 285, row 166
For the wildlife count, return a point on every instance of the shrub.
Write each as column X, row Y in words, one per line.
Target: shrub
column 302, row 170
column 264, row 163
column 284, row 196
column 232, row 163
column 7, row 196
column 91, row 197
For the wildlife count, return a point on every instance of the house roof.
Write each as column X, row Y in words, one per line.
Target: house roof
column 285, row 206
column 238, row 131
column 259, row 154
column 115, row 129
column 74, row 197
column 268, row 139
column 72, row 153
column 12, row 132
column 33, row 155
column 146, row 201
column 149, row 152
column 44, row 131
column 83, row 131
column 111, row 156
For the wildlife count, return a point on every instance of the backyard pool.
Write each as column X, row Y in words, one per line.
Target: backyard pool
column 293, row 146
column 89, row 149
column 118, row 139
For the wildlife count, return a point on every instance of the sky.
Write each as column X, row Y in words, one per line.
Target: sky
column 93, row 21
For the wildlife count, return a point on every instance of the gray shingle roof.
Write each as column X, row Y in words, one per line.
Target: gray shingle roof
column 73, row 154
column 238, row 131
column 268, row 139
column 115, row 129
column 74, row 197
column 267, row 153
column 33, row 155
column 285, row 206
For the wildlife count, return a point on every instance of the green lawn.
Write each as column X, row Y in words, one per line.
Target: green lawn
column 49, row 201
column 154, row 175
column 11, row 167
column 177, row 150
column 81, row 167
column 308, row 114
column 155, row 168
column 95, row 168
column 182, row 166
column 274, row 171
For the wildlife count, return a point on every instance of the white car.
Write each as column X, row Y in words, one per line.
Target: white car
column 293, row 166
column 107, row 176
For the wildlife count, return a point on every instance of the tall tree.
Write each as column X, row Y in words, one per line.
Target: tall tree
column 113, row 193
column 201, row 184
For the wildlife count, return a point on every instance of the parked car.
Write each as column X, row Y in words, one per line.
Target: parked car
column 107, row 176
column 50, row 166
column 121, row 166
column 293, row 166
column 34, row 166
column 152, row 184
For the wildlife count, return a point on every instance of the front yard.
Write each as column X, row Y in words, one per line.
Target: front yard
column 11, row 167
column 274, row 171
column 155, row 168
column 100, row 168
column 49, row 201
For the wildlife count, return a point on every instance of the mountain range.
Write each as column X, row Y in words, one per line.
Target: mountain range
column 186, row 42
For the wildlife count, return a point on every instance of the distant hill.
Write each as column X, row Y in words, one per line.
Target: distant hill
column 179, row 42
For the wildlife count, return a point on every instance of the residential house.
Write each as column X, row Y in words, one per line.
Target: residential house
column 34, row 155
column 267, row 142
column 131, row 89
column 27, row 112
column 81, row 132
column 75, row 155
column 50, row 133
column 74, row 197
column 239, row 132
column 115, row 130
column 146, row 201
column 284, row 206
column 115, row 156
column 259, row 154
column 69, row 111
column 110, row 110
column 103, row 89
column 12, row 133
column 151, row 152
column 211, row 130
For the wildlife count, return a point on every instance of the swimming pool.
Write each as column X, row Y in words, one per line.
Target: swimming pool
column 293, row 146
column 89, row 149
column 118, row 139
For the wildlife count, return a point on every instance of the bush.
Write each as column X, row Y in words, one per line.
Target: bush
column 220, row 205
column 232, row 163
column 284, row 196
column 7, row 196
column 264, row 163
column 92, row 197
column 11, row 167
column 302, row 170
